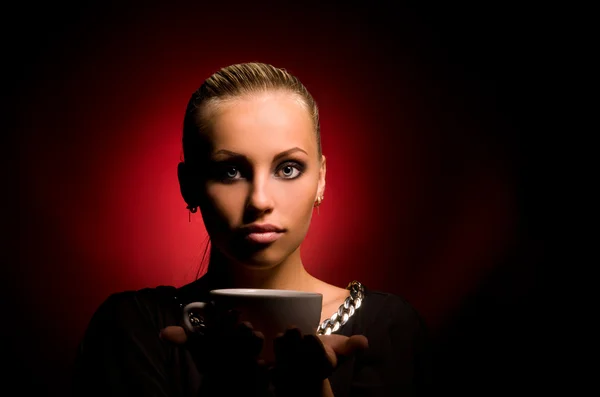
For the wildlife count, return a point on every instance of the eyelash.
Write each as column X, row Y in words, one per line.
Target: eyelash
column 226, row 168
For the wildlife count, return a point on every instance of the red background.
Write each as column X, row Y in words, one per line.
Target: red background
column 428, row 189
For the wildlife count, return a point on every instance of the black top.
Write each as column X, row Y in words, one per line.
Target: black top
column 121, row 353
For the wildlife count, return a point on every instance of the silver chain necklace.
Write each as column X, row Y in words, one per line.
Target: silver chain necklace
column 329, row 325
column 345, row 311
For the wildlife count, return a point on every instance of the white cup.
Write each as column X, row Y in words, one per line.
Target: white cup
column 270, row 311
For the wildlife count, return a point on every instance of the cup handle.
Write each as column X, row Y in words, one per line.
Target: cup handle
column 194, row 316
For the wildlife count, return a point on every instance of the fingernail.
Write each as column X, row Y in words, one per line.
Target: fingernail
column 247, row 324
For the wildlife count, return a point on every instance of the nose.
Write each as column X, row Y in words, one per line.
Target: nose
column 260, row 199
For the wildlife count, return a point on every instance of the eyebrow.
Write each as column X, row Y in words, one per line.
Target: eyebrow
column 276, row 157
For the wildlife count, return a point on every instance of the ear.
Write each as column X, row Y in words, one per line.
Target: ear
column 321, row 183
column 187, row 186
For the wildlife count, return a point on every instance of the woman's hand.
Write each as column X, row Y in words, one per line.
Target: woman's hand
column 303, row 363
column 337, row 346
column 227, row 353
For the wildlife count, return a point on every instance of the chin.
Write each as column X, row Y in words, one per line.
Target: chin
column 262, row 258
column 258, row 265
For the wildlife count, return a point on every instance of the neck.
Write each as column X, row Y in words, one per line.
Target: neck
column 289, row 274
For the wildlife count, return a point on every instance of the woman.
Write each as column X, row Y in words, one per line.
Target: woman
column 253, row 165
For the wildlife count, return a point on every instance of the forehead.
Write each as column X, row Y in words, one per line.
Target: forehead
column 263, row 123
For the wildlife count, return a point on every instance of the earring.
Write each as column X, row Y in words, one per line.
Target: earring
column 191, row 210
column 318, row 203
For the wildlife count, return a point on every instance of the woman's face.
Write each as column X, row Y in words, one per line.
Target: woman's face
column 265, row 176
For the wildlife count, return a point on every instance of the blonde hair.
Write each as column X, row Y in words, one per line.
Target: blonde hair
column 232, row 82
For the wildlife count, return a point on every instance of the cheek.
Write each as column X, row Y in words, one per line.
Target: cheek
column 225, row 202
column 299, row 203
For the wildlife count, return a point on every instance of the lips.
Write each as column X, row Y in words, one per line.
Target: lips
column 262, row 228
column 262, row 233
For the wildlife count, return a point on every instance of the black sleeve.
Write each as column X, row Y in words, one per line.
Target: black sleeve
column 121, row 353
column 422, row 359
column 397, row 363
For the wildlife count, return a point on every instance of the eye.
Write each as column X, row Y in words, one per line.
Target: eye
column 290, row 170
column 230, row 172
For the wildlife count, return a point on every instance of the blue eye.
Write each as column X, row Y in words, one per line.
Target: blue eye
column 290, row 170
column 228, row 173
column 231, row 172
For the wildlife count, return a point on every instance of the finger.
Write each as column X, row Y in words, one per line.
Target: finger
column 331, row 355
column 247, row 324
column 249, row 343
column 343, row 345
column 301, row 364
column 293, row 335
column 174, row 334
column 228, row 319
column 321, row 362
column 356, row 343
column 279, row 348
column 243, row 330
column 288, row 341
column 259, row 335
column 333, row 345
column 287, row 345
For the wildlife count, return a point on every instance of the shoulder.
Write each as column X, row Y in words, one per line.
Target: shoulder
column 397, row 361
column 156, row 296
column 387, row 303
column 121, row 341
column 390, row 313
column 129, row 308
